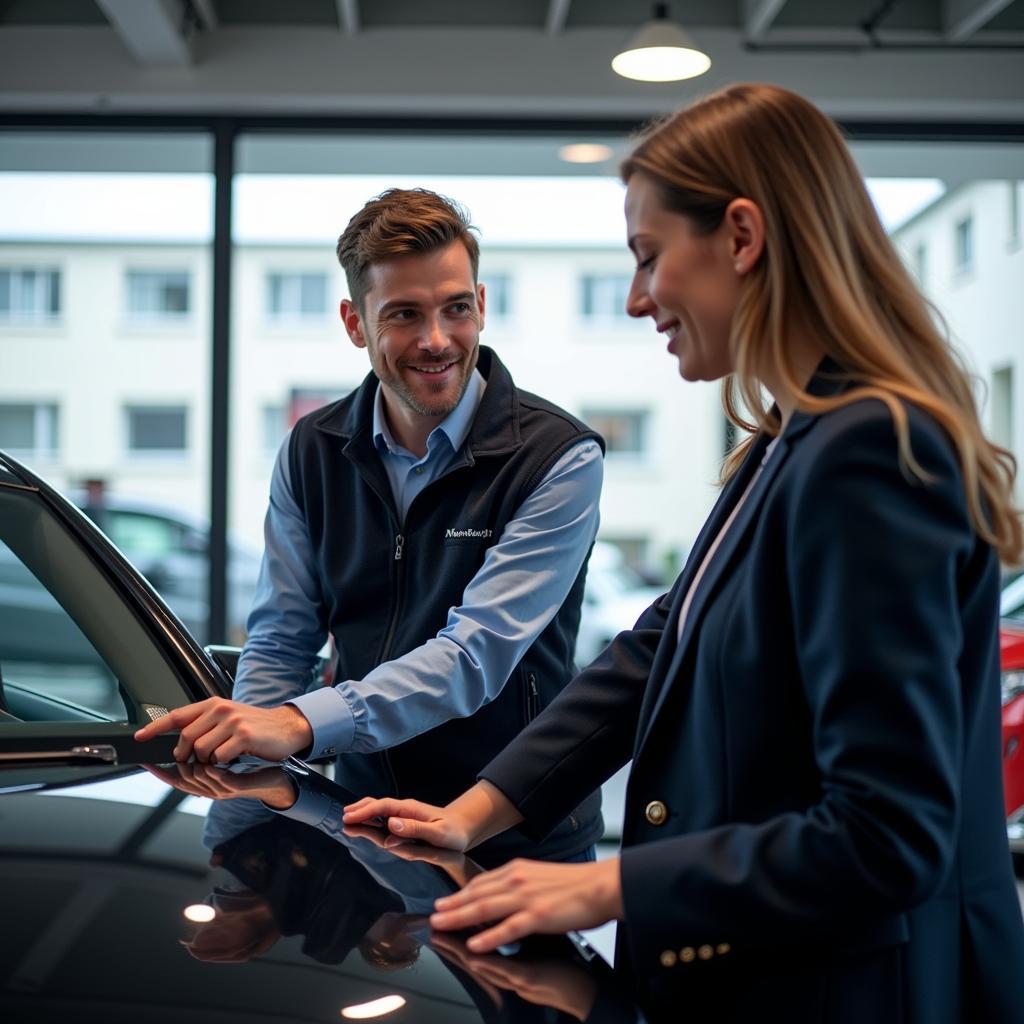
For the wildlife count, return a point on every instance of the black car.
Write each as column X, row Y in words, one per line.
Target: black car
column 127, row 896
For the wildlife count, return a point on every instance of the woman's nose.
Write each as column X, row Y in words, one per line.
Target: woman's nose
column 638, row 302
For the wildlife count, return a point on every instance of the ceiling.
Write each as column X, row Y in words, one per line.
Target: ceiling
column 930, row 59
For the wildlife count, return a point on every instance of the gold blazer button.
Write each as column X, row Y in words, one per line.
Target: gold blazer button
column 656, row 812
column 669, row 958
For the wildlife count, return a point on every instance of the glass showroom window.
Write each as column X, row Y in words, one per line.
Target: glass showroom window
column 29, row 430
column 29, row 294
column 624, row 431
column 274, row 425
column 158, row 294
column 154, row 429
column 963, row 245
column 296, row 296
column 603, row 296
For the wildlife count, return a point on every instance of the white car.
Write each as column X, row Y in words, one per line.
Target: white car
column 614, row 598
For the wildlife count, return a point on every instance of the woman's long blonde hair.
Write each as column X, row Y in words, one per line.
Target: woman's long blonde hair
column 829, row 265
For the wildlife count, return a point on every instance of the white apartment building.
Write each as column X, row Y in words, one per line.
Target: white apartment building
column 967, row 251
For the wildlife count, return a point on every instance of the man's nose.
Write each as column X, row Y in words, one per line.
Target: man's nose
column 434, row 339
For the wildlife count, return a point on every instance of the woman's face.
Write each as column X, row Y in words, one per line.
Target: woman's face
column 687, row 283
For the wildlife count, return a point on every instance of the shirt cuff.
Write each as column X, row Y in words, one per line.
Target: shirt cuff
column 311, row 808
column 330, row 718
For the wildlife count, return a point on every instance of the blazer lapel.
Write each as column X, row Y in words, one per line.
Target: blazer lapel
column 668, row 649
column 658, row 689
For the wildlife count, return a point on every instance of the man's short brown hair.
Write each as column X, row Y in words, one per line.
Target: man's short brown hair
column 402, row 222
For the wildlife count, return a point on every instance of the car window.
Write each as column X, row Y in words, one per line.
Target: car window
column 71, row 647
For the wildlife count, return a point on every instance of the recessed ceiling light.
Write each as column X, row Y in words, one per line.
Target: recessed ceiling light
column 585, row 153
column 200, row 913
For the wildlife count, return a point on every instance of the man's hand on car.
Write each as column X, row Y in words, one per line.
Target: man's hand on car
column 217, row 731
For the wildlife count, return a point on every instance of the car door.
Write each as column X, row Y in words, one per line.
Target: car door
column 88, row 652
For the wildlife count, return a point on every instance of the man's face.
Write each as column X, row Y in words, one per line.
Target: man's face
column 420, row 321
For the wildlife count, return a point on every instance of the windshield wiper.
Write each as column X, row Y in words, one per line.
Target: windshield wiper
column 87, row 752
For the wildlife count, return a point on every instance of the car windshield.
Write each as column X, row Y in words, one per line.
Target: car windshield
column 1011, row 600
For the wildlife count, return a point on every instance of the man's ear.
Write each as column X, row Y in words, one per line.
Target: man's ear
column 481, row 298
column 353, row 323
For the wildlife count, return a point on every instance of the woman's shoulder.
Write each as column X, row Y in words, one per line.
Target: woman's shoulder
column 874, row 424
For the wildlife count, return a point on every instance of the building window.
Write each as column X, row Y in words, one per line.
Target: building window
column 296, row 296
column 274, row 425
column 963, row 245
column 29, row 429
column 1001, row 429
column 603, row 296
column 624, row 431
column 158, row 294
column 921, row 264
column 1014, row 233
column 157, row 428
column 29, row 294
column 498, row 296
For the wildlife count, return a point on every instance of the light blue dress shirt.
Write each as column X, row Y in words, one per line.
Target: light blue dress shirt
column 515, row 593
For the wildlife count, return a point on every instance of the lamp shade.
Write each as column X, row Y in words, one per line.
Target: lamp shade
column 660, row 51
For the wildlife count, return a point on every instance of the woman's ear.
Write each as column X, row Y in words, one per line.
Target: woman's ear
column 744, row 225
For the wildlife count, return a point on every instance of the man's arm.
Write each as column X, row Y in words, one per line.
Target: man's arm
column 522, row 583
column 286, row 626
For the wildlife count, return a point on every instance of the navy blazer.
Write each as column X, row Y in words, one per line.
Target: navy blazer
column 814, row 826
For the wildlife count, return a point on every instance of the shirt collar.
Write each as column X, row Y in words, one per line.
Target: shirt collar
column 455, row 426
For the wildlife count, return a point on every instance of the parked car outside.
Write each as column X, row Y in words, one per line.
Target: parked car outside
column 613, row 599
column 125, row 897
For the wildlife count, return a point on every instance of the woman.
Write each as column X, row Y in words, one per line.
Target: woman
column 813, row 822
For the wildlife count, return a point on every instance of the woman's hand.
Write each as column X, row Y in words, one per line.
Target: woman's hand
column 527, row 896
column 410, row 819
column 481, row 812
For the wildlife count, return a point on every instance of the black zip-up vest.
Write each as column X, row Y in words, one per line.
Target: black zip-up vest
column 388, row 585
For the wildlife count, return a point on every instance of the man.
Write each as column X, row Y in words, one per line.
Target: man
column 436, row 522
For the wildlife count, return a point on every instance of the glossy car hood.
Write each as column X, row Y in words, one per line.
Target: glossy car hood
column 97, row 872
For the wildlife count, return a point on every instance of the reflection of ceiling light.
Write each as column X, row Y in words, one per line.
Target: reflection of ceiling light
column 585, row 153
column 660, row 52
column 200, row 913
column 376, row 1008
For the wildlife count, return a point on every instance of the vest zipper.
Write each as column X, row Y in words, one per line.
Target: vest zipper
column 386, row 652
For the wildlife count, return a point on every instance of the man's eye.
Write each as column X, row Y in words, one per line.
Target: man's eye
column 403, row 314
column 460, row 307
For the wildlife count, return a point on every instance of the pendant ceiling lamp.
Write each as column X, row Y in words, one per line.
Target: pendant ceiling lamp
column 660, row 51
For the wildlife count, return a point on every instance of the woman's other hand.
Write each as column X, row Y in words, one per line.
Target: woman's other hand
column 481, row 812
column 527, row 896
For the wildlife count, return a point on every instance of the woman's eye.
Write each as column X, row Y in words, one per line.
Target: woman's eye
column 644, row 264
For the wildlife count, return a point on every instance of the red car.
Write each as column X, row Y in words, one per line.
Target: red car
column 1011, row 658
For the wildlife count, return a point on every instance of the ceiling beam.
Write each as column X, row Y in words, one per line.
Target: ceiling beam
column 558, row 12
column 348, row 16
column 154, row 31
column 758, row 16
column 962, row 18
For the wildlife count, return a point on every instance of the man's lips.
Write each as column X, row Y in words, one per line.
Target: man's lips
column 433, row 369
